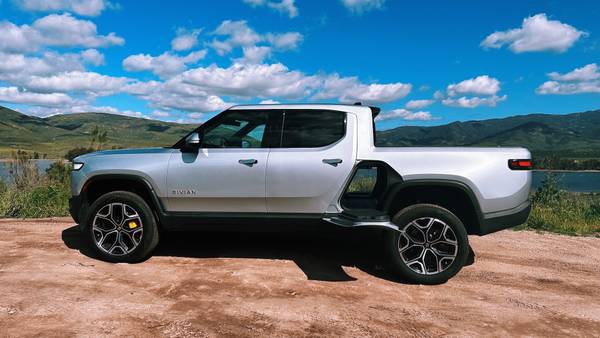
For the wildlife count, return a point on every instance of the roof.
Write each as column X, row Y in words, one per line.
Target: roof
column 360, row 109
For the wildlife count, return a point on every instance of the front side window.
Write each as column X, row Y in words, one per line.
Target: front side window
column 312, row 128
column 236, row 129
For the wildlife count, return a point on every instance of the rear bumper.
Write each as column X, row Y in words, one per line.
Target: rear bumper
column 505, row 219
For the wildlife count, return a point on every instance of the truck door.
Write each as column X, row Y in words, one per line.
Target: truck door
column 227, row 173
column 306, row 173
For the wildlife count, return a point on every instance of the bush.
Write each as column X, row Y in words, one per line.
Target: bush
column 59, row 172
column 563, row 212
column 35, row 195
column 23, row 171
column 46, row 200
column 548, row 192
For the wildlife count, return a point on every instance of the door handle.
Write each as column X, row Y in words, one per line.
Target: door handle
column 249, row 162
column 332, row 161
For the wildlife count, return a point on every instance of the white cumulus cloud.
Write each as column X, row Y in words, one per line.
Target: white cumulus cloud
column 472, row 93
column 164, row 65
column 580, row 80
column 93, row 56
column 185, row 39
column 237, row 34
column 480, row 85
column 350, row 89
column 81, row 7
column 537, row 34
column 419, row 104
column 405, row 114
column 54, row 30
column 77, row 81
column 473, row 102
column 19, row 96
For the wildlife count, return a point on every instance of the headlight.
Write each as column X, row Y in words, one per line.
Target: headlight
column 77, row 166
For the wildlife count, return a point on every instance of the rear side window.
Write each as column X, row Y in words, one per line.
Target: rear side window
column 312, row 128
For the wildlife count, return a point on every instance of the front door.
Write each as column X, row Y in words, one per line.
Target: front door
column 227, row 172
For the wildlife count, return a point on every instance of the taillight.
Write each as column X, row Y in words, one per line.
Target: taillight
column 520, row 164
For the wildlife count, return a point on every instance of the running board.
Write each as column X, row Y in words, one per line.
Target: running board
column 347, row 222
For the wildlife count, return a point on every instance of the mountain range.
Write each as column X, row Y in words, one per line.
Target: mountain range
column 570, row 135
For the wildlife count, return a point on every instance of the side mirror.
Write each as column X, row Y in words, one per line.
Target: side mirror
column 193, row 141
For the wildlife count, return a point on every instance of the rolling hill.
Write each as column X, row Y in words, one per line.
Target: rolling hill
column 55, row 135
column 571, row 135
column 574, row 135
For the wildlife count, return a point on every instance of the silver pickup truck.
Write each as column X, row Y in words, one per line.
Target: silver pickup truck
column 303, row 163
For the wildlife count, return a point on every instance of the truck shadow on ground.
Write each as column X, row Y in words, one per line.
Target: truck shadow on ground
column 321, row 255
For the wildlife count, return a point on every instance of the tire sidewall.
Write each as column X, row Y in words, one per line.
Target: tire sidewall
column 148, row 224
column 409, row 214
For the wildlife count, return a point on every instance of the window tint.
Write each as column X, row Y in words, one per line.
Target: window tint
column 243, row 129
column 312, row 128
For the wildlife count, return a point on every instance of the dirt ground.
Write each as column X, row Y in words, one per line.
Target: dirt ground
column 291, row 284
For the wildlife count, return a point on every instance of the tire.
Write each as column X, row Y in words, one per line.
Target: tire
column 114, row 238
column 422, row 260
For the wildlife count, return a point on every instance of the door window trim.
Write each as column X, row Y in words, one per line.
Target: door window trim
column 282, row 121
column 268, row 138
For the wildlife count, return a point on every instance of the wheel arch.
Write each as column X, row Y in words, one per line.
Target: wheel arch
column 455, row 196
column 99, row 185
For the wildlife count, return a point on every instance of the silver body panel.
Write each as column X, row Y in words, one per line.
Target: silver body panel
column 213, row 180
column 297, row 180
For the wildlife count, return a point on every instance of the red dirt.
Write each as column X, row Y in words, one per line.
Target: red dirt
column 289, row 284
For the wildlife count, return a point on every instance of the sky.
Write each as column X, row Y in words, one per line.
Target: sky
column 422, row 62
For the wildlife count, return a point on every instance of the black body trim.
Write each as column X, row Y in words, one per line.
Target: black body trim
column 395, row 189
column 493, row 224
column 228, row 221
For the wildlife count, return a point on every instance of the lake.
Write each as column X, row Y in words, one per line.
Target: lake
column 580, row 181
column 571, row 181
column 5, row 168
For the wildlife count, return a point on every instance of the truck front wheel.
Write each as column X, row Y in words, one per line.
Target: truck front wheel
column 431, row 245
column 121, row 227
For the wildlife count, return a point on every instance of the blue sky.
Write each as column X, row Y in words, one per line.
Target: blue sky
column 424, row 63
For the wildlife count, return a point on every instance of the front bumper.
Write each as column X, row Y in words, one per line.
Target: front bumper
column 504, row 220
column 77, row 207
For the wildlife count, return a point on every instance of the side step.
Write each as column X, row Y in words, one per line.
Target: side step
column 361, row 218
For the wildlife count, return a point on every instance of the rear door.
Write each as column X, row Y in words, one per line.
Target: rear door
column 316, row 154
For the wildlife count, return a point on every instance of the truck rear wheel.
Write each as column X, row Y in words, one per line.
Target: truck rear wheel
column 121, row 227
column 431, row 246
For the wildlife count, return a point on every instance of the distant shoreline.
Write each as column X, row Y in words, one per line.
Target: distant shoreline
column 568, row 170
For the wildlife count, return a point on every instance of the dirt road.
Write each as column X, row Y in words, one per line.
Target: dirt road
column 216, row 284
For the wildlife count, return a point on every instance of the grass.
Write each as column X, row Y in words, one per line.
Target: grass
column 563, row 212
column 34, row 195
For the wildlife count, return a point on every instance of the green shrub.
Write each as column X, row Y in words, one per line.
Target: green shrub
column 559, row 211
column 59, row 172
column 24, row 172
column 46, row 200
column 34, row 195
